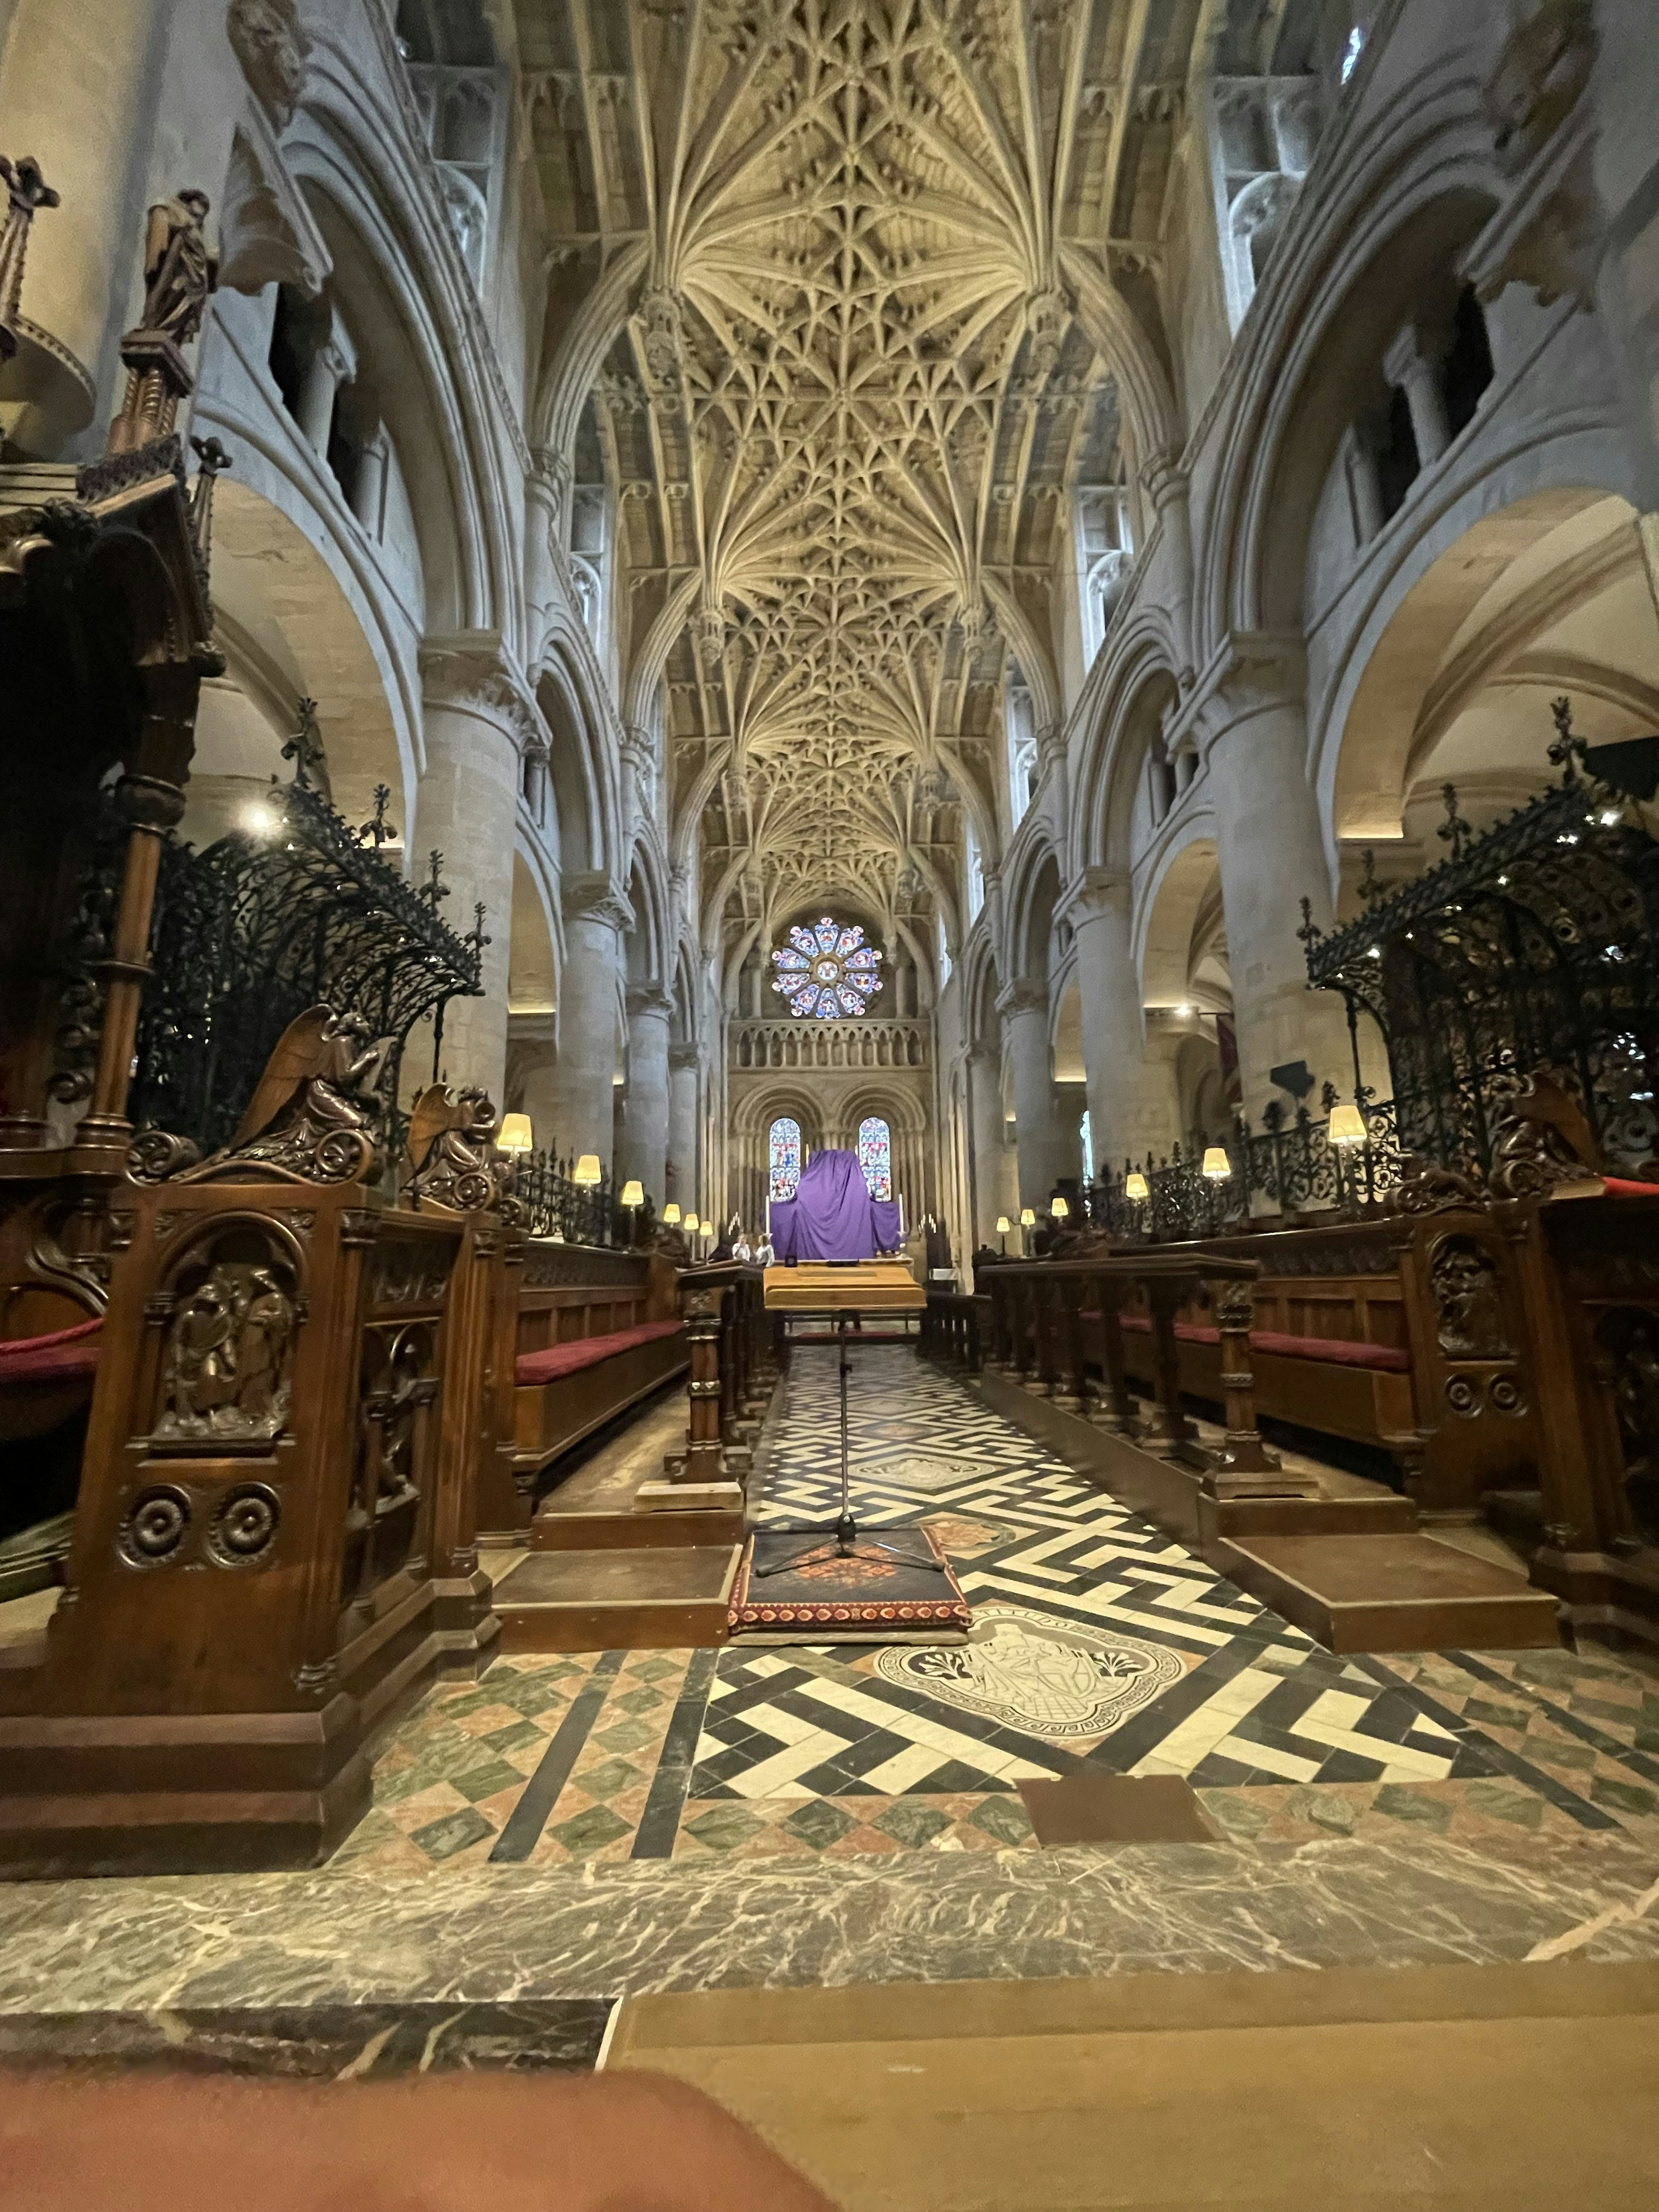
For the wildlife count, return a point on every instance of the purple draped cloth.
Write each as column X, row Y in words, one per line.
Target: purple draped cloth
column 832, row 1215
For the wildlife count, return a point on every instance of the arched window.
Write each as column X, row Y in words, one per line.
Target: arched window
column 785, row 1157
column 876, row 1156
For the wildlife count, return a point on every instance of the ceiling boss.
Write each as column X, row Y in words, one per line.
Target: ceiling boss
column 827, row 972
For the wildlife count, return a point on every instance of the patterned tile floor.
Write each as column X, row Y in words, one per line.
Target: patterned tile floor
column 1098, row 1645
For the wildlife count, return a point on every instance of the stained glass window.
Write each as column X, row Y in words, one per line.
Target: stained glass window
column 786, row 1157
column 826, row 970
column 876, row 1156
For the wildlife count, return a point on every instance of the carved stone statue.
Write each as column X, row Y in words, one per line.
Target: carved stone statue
column 267, row 40
column 180, row 272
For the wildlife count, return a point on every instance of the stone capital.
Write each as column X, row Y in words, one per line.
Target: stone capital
column 1255, row 673
column 1097, row 893
column 1163, row 479
column 1025, row 995
column 471, row 671
column 983, row 1055
column 594, row 897
column 650, row 1001
column 638, row 751
column 684, row 1056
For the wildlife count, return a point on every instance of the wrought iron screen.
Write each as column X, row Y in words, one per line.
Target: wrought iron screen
column 257, row 927
column 555, row 1206
column 1535, row 946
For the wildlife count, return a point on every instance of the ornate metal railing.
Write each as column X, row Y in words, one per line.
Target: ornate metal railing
column 558, row 1207
column 1534, row 946
column 1289, row 1164
column 249, row 933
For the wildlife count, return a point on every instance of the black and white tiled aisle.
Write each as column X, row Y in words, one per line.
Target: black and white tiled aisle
column 1098, row 1645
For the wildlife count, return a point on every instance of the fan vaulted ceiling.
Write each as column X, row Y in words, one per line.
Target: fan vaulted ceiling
column 843, row 294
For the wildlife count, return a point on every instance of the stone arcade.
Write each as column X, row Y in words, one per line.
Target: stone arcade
column 1051, row 603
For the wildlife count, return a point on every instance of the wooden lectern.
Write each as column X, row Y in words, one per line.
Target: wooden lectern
column 842, row 1287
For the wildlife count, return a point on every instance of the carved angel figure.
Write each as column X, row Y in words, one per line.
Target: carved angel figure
column 317, row 1110
column 452, row 1148
column 180, row 272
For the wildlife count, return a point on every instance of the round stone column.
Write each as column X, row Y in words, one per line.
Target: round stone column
column 1133, row 1108
column 477, row 713
column 1045, row 1154
column 1272, row 851
column 987, row 1127
column 645, row 1101
column 571, row 1104
column 680, row 1173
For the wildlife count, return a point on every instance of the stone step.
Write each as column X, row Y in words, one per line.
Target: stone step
column 1390, row 1593
column 625, row 1598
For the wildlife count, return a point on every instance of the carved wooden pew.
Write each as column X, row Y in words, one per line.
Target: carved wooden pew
column 1038, row 1336
column 1402, row 1333
column 736, row 1351
column 582, row 1332
column 950, row 1329
column 273, row 1542
column 1588, row 1517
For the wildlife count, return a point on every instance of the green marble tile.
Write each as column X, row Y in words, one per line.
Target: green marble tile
column 605, row 1780
column 723, row 1828
column 911, row 1824
column 1550, row 1752
column 1237, row 1811
column 589, row 1831
column 442, row 1840
column 1484, row 1714
column 1327, row 1808
column 1004, row 1817
column 484, row 1781
column 514, row 1736
column 1621, row 1796
column 644, row 1699
column 819, row 1823
column 1401, row 1802
column 628, row 1735
column 1502, row 1801
column 655, row 1670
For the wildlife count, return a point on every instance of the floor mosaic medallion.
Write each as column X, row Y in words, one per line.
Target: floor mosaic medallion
column 1031, row 1672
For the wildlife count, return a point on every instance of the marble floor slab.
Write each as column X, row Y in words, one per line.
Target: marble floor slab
column 325, row 2042
column 514, row 1936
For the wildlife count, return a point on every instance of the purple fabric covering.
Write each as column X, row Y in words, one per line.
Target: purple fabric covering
column 832, row 1215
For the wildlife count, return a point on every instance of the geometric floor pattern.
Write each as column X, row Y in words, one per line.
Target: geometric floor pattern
column 1099, row 1646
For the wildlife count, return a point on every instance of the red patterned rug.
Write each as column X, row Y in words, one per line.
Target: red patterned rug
column 824, row 1598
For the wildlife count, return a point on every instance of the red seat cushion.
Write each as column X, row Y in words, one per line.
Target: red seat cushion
column 1617, row 1186
column 1334, row 1351
column 535, row 1367
column 55, row 1359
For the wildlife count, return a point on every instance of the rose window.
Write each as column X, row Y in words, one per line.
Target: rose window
column 827, row 971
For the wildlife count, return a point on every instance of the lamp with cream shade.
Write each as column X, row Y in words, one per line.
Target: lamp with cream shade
column 1216, row 1166
column 587, row 1172
column 1346, row 1126
column 517, row 1135
column 1057, row 1209
column 1004, row 1227
column 1136, row 1187
column 671, row 1214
